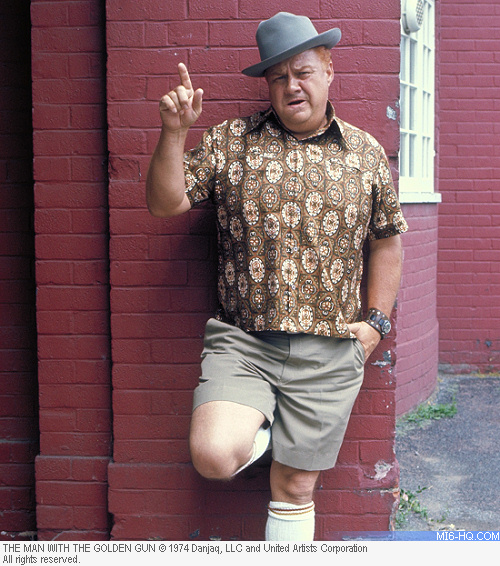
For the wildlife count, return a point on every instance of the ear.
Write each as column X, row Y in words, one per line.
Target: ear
column 330, row 73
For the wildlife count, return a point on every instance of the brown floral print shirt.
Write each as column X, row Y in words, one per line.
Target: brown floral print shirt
column 292, row 217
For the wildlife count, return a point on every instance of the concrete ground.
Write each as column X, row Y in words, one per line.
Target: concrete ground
column 450, row 467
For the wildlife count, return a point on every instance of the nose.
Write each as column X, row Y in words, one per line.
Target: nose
column 293, row 84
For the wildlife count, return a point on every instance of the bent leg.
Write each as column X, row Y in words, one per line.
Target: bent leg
column 222, row 436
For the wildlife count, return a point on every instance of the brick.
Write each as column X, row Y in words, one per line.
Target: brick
column 88, row 116
column 160, row 451
column 121, row 34
column 16, row 475
column 83, row 445
column 151, row 427
column 53, row 421
column 67, row 142
column 91, row 518
column 376, row 403
column 226, row 9
column 50, row 468
column 132, row 89
column 151, row 62
column 135, row 375
column 21, row 525
column 376, row 427
column 74, row 535
column 86, row 66
column 232, row 34
column 89, row 469
column 341, row 477
column 129, row 247
column 214, row 61
column 129, row 10
column 358, row 503
column 178, row 32
column 161, row 527
column 72, row 298
column 152, row 476
column 73, row 195
column 156, row 34
column 127, row 141
column 334, row 527
column 55, row 516
column 18, row 450
column 49, row 14
column 58, row 40
column 248, row 9
column 153, row 273
column 72, row 494
column 83, row 396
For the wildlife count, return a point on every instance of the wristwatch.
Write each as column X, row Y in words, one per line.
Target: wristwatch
column 378, row 320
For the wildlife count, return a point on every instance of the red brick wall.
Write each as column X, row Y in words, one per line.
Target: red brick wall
column 18, row 391
column 71, row 225
column 469, row 173
column 418, row 325
column 162, row 272
column 418, row 329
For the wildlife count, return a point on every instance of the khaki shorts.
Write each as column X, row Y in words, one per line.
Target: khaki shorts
column 305, row 386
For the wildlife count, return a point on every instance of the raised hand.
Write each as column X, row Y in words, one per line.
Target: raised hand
column 181, row 107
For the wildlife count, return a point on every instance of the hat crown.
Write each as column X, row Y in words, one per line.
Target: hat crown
column 285, row 35
column 282, row 32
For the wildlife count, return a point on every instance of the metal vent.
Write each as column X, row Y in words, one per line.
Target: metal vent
column 413, row 15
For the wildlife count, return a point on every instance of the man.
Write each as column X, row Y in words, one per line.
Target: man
column 297, row 191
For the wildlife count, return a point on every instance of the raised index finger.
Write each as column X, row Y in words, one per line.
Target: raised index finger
column 184, row 76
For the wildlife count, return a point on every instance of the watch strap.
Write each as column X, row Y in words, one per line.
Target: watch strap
column 379, row 321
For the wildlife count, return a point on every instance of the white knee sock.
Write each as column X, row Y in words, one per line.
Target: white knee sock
column 260, row 445
column 290, row 522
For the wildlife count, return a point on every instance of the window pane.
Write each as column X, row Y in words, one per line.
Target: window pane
column 413, row 62
column 412, row 107
column 412, row 156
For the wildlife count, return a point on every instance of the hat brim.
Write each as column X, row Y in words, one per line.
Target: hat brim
column 327, row 39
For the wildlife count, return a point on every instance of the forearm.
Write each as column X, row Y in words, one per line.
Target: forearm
column 384, row 276
column 165, row 183
column 384, row 273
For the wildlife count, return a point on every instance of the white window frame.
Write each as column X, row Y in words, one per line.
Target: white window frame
column 417, row 85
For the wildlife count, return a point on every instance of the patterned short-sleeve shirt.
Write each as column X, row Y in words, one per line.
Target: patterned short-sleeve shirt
column 292, row 218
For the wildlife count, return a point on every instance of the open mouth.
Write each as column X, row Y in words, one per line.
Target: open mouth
column 296, row 102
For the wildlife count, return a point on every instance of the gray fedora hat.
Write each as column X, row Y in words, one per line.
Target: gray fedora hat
column 283, row 36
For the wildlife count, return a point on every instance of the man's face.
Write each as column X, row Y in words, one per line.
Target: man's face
column 298, row 90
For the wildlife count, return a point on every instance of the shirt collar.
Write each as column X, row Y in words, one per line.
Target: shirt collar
column 259, row 118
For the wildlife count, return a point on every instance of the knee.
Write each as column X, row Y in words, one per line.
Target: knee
column 214, row 460
column 292, row 485
column 300, row 488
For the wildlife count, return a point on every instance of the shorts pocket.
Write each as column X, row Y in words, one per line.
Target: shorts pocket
column 359, row 351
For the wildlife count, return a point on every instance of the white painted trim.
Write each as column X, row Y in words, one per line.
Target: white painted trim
column 419, row 198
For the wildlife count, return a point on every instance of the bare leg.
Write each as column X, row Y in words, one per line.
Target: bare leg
column 291, row 485
column 291, row 513
column 222, row 436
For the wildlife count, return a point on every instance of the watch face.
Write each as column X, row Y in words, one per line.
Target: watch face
column 385, row 326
